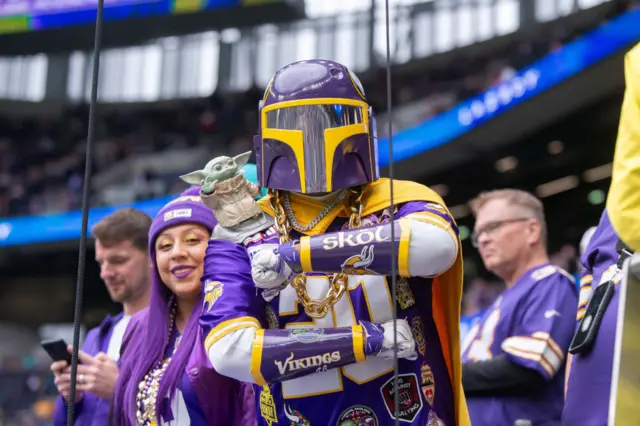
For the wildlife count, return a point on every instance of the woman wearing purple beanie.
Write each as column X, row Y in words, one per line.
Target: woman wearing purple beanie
column 165, row 376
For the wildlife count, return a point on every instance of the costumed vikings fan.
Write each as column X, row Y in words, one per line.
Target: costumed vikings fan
column 317, row 335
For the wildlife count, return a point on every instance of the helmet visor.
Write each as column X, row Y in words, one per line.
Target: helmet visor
column 322, row 127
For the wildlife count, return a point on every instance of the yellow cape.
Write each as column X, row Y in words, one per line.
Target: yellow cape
column 446, row 289
column 623, row 203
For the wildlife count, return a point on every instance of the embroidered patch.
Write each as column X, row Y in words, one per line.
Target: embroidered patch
column 428, row 383
column 306, row 335
column 409, row 399
column 272, row 318
column 296, row 418
column 358, row 264
column 405, row 295
column 358, row 415
column 176, row 214
column 418, row 335
column 268, row 406
column 212, row 292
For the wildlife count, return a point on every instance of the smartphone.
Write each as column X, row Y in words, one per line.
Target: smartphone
column 57, row 350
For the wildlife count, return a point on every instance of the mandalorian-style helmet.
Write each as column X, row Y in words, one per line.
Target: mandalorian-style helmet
column 317, row 132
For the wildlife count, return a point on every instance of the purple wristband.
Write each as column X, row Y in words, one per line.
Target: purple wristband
column 374, row 335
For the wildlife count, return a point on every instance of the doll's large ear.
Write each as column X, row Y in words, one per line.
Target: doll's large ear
column 193, row 178
column 242, row 159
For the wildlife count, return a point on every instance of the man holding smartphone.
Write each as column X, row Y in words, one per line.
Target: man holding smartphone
column 121, row 248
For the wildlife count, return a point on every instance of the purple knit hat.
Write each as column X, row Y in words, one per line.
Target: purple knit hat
column 187, row 208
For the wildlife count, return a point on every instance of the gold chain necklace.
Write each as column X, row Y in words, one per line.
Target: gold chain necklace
column 339, row 282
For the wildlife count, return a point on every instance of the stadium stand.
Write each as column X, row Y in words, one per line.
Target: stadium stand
column 42, row 159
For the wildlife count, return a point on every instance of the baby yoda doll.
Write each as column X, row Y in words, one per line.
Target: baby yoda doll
column 225, row 190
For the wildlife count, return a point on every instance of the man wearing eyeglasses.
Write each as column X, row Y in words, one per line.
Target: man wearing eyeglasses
column 514, row 358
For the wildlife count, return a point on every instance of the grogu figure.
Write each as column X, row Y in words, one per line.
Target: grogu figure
column 225, row 190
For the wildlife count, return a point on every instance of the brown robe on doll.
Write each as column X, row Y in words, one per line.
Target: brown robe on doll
column 233, row 201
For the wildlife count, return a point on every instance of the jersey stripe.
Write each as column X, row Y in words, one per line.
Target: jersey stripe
column 227, row 327
column 539, row 347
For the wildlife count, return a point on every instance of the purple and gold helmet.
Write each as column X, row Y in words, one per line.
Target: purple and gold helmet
column 317, row 132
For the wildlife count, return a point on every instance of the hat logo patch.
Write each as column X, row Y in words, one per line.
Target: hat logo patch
column 175, row 214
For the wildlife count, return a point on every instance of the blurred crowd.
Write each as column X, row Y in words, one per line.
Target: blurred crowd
column 42, row 159
column 27, row 391
column 27, row 397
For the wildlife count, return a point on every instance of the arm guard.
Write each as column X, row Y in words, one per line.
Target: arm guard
column 362, row 251
column 280, row 355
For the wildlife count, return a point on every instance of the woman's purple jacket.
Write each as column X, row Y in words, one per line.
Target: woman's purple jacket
column 224, row 401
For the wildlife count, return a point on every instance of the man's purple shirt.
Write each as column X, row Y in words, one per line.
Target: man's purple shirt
column 91, row 410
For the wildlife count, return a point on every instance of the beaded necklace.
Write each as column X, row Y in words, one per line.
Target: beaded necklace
column 150, row 384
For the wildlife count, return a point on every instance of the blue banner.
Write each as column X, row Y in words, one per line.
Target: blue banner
column 552, row 69
column 67, row 226
column 32, row 15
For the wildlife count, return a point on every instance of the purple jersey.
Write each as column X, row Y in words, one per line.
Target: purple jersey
column 531, row 323
column 589, row 385
column 185, row 405
column 184, row 409
column 360, row 393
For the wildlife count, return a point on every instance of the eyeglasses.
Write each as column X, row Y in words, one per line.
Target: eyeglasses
column 492, row 227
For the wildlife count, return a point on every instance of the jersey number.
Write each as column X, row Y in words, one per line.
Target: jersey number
column 478, row 343
column 378, row 300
